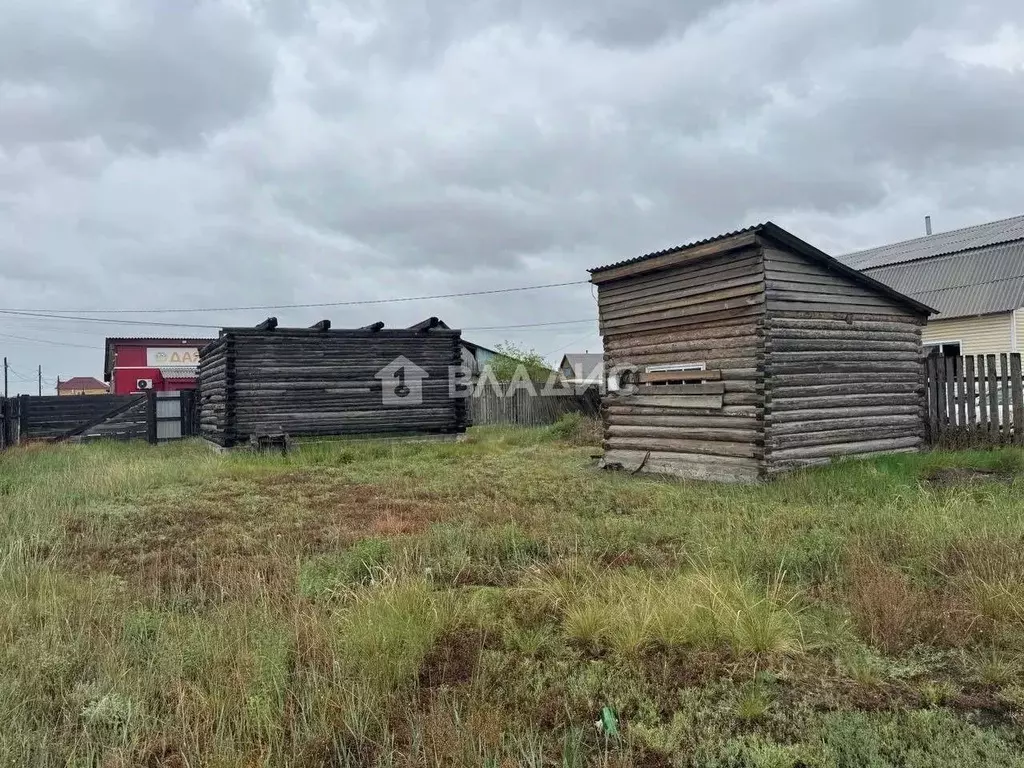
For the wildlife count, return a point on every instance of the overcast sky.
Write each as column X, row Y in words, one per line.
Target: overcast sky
column 199, row 153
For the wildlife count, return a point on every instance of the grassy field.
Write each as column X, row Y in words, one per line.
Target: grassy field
column 499, row 602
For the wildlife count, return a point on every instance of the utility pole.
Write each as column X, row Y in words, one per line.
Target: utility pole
column 5, row 377
column 40, row 381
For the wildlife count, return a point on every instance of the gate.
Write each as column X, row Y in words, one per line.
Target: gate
column 171, row 415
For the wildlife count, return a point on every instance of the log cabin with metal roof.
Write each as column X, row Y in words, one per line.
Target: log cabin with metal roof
column 753, row 353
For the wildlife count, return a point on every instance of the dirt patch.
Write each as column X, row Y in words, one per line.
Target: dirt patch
column 453, row 660
column 951, row 477
column 238, row 535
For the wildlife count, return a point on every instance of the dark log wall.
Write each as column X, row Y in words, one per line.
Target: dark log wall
column 843, row 373
column 710, row 312
column 310, row 382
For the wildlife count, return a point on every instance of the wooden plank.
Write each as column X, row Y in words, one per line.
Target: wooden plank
column 783, row 379
column 702, row 447
column 746, row 296
column 840, row 401
column 613, row 408
column 858, row 422
column 638, row 417
column 950, row 382
column 684, row 433
column 942, row 396
column 784, row 417
column 678, row 347
column 872, row 301
column 934, row 413
column 662, row 376
column 971, row 388
column 848, row 388
column 1017, row 397
column 848, row 449
column 681, row 402
column 839, row 436
column 711, row 388
column 682, row 288
column 699, row 337
column 961, row 392
column 908, row 357
column 861, row 311
column 683, row 300
column 1006, row 431
column 815, row 285
column 993, row 398
column 784, row 320
column 711, row 270
column 983, row 415
column 832, row 343
column 685, row 466
column 730, row 314
column 674, row 258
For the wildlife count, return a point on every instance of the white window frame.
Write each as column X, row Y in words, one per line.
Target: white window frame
column 675, row 367
column 940, row 344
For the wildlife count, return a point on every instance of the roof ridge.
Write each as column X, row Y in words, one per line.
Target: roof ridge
column 936, row 235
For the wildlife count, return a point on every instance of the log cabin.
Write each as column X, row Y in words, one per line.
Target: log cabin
column 316, row 381
column 753, row 353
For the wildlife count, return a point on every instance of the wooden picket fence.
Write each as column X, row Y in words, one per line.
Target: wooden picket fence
column 975, row 401
column 495, row 404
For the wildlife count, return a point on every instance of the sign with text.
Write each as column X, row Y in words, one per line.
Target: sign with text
column 169, row 357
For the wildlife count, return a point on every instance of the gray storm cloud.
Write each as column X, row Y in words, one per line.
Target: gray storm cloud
column 226, row 153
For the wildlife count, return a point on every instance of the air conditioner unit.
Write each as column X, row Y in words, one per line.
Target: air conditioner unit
column 141, row 384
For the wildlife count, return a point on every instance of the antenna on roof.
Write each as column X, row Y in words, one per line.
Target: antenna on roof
column 927, row 225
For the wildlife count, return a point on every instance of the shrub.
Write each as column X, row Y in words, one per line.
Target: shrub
column 888, row 609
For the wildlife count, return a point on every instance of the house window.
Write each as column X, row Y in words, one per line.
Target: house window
column 943, row 349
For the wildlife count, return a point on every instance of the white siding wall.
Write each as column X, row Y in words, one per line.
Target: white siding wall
column 984, row 335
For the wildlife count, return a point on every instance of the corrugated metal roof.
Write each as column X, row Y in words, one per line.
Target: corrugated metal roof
column 179, row 373
column 976, row 282
column 978, row 236
column 678, row 248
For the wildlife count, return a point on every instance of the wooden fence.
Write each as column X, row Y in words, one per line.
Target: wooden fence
column 496, row 405
column 151, row 416
column 975, row 401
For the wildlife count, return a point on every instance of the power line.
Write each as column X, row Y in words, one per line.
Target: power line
column 47, row 341
column 529, row 325
column 361, row 302
column 20, row 313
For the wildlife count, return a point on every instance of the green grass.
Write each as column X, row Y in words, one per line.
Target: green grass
column 480, row 603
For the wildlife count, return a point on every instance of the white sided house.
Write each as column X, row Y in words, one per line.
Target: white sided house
column 974, row 278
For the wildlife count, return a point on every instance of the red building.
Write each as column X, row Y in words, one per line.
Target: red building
column 137, row 365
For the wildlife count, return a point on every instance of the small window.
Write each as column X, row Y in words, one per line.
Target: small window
column 673, row 373
column 669, row 367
